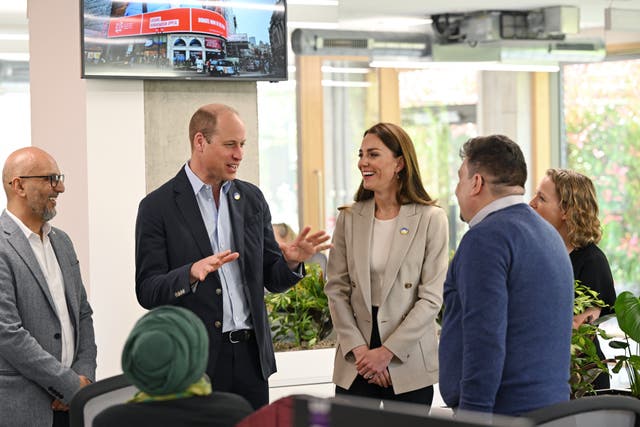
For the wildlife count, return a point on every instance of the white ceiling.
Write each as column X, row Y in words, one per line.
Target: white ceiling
column 354, row 13
column 357, row 14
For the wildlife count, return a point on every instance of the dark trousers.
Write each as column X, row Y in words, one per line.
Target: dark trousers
column 60, row 418
column 238, row 371
column 361, row 387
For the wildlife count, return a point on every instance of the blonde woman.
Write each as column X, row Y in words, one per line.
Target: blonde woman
column 567, row 200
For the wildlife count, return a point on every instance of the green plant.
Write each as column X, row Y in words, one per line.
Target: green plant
column 300, row 317
column 627, row 308
column 586, row 365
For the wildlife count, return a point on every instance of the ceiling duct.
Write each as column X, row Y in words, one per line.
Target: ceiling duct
column 361, row 43
column 550, row 23
column 529, row 36
column 523, row 51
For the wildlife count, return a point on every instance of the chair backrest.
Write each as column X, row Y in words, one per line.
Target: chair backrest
column 610, row 411
column 94, row 398
column 349, row 411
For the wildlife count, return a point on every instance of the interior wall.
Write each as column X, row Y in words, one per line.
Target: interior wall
column 116, row 177
column 58, row 109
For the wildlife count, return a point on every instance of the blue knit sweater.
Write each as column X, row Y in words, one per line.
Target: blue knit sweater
column 506, row 332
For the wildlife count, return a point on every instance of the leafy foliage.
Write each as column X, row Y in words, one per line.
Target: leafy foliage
column 627, row 309
column 301, row 315
column 586, row 365
column 585, row 297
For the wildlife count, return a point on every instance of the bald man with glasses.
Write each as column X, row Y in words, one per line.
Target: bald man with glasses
column 47, row 346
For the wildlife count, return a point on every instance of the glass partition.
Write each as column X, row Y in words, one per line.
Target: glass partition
column 438, row 109
column 15, row 110
column 278, row 150
column 350, row 92
column 602, row 123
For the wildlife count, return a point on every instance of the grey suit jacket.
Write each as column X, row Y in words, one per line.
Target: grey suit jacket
column 31, row 375
column 411, row 293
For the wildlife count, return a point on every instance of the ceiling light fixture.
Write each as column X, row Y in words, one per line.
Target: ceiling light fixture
column 479, row 66
column 337, row 83
column 344, row 70
column 313, row 25
column 14, row 36
column 313, row 2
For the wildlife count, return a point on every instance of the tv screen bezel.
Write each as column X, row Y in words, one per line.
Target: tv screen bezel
column 171, row 76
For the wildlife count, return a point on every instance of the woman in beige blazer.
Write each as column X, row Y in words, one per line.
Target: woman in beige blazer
column 385, row 276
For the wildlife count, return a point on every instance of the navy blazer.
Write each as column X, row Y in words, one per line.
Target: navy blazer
column 171, row 236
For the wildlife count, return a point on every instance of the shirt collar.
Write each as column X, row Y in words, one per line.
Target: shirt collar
column 496, row 205
column 46, row 227
column 197, row 183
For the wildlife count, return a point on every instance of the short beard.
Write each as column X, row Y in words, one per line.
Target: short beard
column 48, row 214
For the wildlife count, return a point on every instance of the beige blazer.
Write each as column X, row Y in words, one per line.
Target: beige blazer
column 411, row 292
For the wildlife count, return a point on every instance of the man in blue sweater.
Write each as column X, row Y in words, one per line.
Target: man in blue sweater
column 508, row 295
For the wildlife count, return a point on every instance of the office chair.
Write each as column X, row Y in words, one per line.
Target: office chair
column 349, row 411
column 94, row 398
column 594, row 411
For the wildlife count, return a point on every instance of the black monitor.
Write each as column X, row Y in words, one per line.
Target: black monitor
column 192, row 40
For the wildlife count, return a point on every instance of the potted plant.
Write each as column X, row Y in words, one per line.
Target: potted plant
column 300, row 320
column 586, row 365
column 627, row 312
column 300, row 317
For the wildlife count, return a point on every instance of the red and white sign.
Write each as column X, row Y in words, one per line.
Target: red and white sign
column 178, row 20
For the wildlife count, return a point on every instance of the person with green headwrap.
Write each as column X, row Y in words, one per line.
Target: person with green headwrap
column 165, row 356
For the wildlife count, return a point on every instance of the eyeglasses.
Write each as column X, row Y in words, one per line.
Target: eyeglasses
column 54, row 178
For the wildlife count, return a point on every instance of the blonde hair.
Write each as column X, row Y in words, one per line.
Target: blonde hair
column 284, row 231
column 578, row 200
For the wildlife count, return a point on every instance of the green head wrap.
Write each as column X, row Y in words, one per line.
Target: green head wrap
column 166, row 351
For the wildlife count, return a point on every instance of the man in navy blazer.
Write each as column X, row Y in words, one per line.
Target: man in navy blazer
column 204, row 241
column 47, row 347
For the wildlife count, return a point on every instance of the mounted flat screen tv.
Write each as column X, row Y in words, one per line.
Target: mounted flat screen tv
column 196, row 40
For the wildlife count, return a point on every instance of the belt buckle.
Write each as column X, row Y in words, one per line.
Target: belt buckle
column 231, row 340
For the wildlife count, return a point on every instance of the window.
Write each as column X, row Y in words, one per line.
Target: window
column 438, row 110
column 15, row 110
column 278, row 150
column 350, row 107
column 602, row 124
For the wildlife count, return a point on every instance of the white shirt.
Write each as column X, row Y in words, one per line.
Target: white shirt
column 380, row 248
column 236, row 313
column 496, row 205
column 48, row 263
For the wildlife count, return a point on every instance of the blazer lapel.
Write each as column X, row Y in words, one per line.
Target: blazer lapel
column 65, row 262
column 406, row 228
column 19, row 242
column 237, row 206
column 188, row 207
column 362, row 229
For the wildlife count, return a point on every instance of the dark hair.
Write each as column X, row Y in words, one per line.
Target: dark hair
column 498, row 158
column 410, row 189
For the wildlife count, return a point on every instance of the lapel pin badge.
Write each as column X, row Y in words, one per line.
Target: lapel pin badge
column 236, row 195
column 404, row 230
